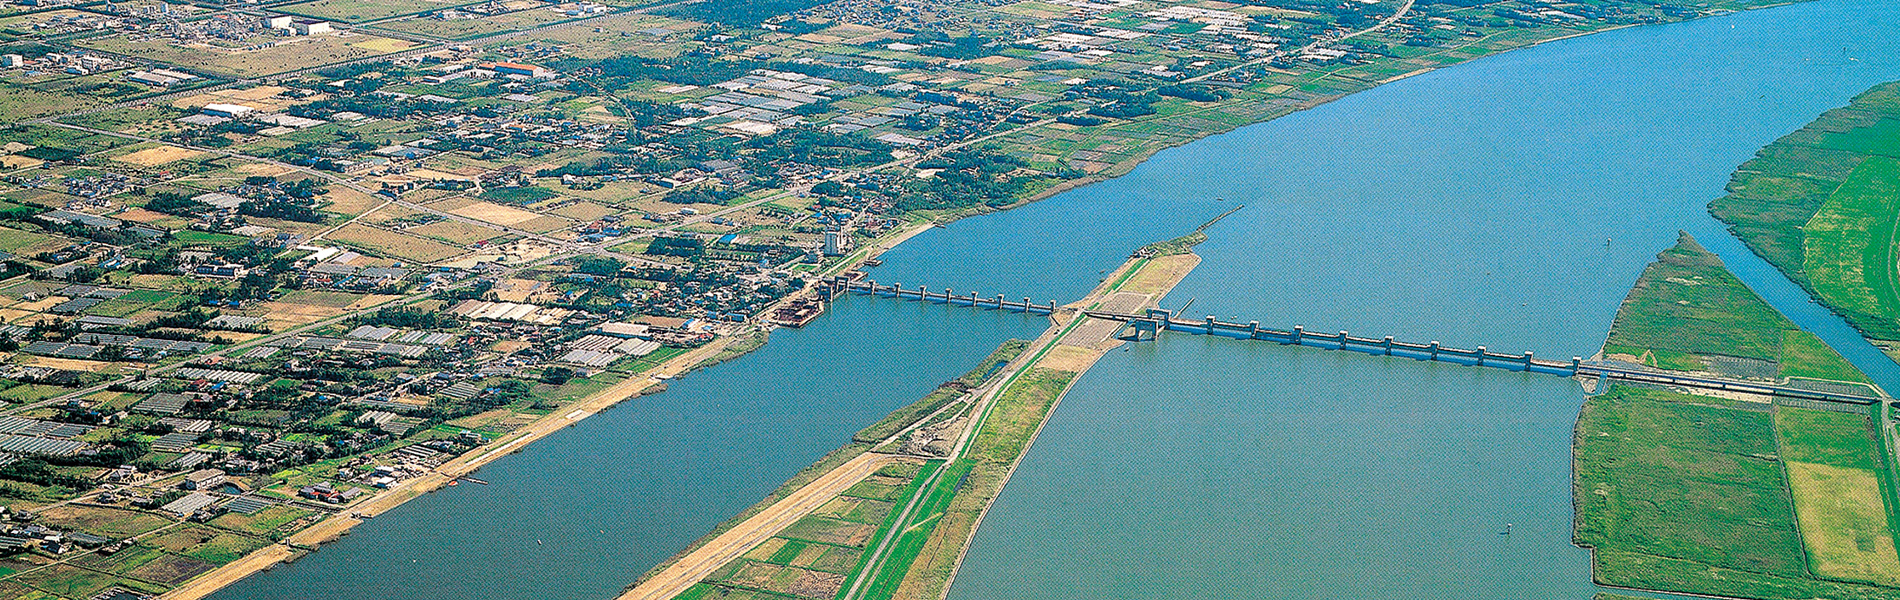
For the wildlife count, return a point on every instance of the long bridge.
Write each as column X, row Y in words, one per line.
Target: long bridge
column 1151, row 323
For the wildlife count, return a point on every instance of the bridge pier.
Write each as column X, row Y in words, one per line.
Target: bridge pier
column 1434, row 349
column 1210, row 324
column 1576, row 365
column 1480, row 356
column 946, row 296
column 1253, row 330
column 1298, row 331
column 1342, row 339
column 1388, row 345
column 1527, row 360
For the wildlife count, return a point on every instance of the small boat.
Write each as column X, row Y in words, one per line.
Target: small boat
column 1507, row 529
column 454, row 482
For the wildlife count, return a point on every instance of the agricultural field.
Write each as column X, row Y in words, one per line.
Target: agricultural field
column 299, row 53
column 403, row 246
column 813, row 557
column 1676, row 492
column 462, row 29
column 363, row 11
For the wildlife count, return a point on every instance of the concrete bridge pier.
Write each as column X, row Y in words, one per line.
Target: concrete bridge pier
column 1434, row 349
column 1342, row 339
column 974, row 299
column 1253, row 330
column 1151, row 326
column 1388, row 345
column 1527, row 360
column 1298, row 332
column 946, row 295
column 1210, row 325
column 999, row 302
column 1480, row 356
column 1576, row 365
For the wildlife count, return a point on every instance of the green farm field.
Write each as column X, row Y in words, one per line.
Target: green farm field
column 1849, row 252
column 1659, row 473
column 1833, row 471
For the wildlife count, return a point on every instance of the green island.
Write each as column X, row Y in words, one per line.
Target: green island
column 1726, row 494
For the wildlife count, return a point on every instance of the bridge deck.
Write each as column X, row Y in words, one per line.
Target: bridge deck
column 1116, row 310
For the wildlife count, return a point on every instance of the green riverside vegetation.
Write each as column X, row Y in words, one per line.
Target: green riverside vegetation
column 1727, row 497
column 1687, row 312
column 936, row 399
column 1820, row 204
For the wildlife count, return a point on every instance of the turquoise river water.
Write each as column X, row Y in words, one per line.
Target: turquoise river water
column 1508, row 202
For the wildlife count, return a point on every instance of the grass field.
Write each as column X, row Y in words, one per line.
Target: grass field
column 1833, row 465
column 103, row 521
column 461, row 29
column 301, row 53
column 454, row 232
column 206, row 238
column 1804, row 355
column 14, row 240
column 20, row 103
column 395, row 245
column 1687, row 312
column 1017, row 414
column 1675, row 494
column 1844, row 523
column 1686, row 305
column 1659, row 475
column 1820, row 205
column 936, row 399
column 1848, row 256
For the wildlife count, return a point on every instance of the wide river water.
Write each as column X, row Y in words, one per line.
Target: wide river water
column 1508, row 202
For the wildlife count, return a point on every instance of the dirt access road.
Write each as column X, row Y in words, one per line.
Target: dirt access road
column 775, row 518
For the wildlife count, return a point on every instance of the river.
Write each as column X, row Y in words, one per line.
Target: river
column 1470, row 205
column 1509, row 202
